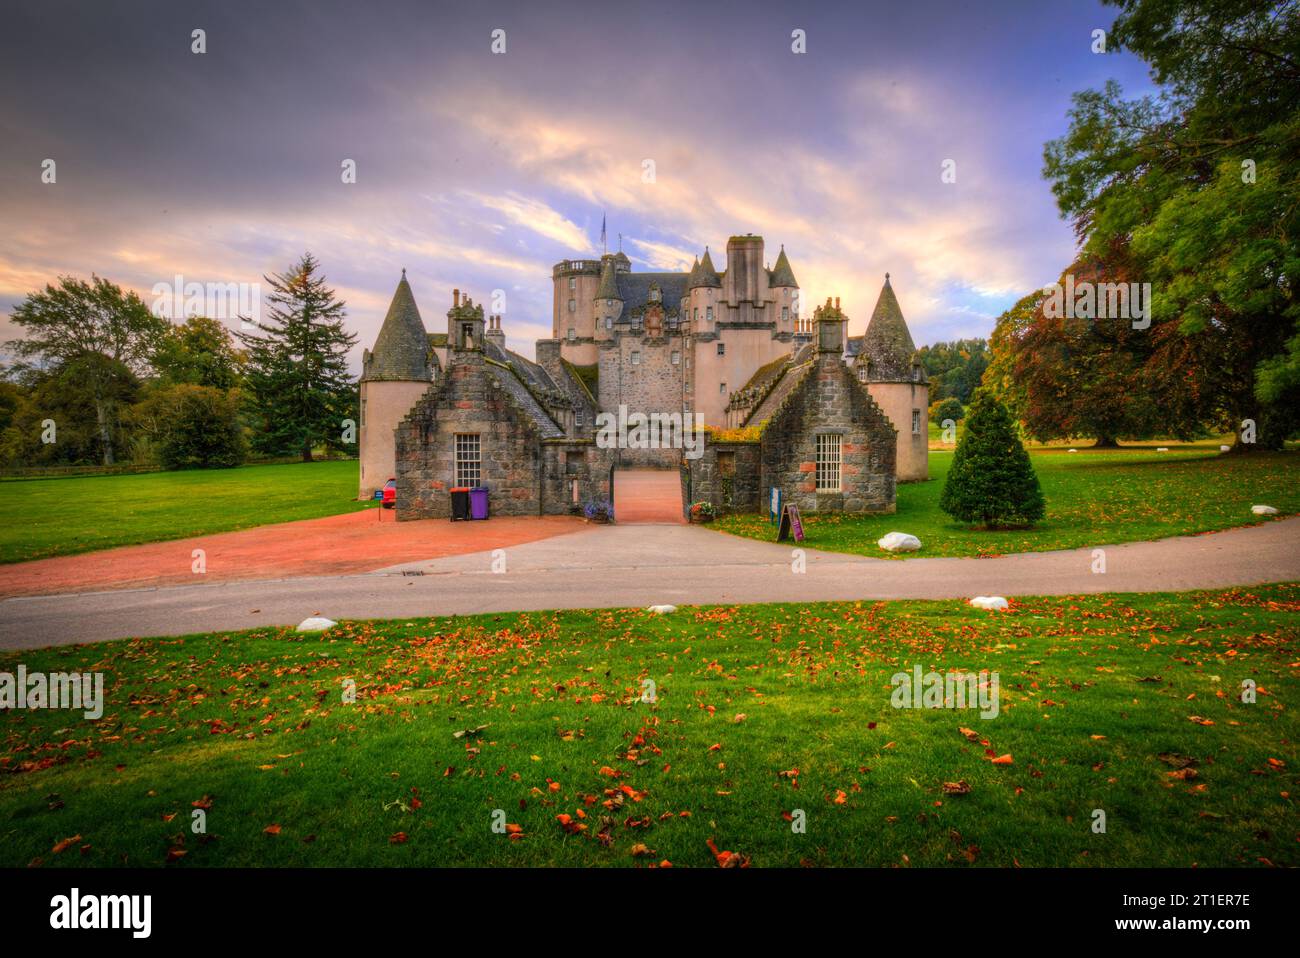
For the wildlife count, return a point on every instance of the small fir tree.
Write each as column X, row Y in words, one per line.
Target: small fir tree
column 992, row 481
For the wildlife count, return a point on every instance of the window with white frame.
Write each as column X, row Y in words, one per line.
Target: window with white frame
column 573, row 282
column 468, row 459
column 828, row 463
column 573, row 333
column 573, row 305
column 677, row 358
column 708, row 313
column 722, row 387
column 785, row 314
column 636, row 358
column 916, row 422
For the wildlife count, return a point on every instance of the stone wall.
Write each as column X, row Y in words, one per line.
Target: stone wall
column 738, row 491
column 467, row 400
column 568, row 466
column 831, row 400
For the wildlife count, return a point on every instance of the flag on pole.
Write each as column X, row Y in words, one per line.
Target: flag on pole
column 603, row 247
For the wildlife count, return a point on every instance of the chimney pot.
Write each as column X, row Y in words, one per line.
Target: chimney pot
column 455, row 297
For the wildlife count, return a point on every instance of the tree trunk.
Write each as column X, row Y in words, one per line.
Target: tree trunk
column 306, row 450
column 105, row 433
column 1105, row 442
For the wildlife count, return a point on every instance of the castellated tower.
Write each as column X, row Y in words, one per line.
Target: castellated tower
column 394, row 374
column 888, row 364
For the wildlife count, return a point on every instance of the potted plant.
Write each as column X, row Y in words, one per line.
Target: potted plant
column 598, row 510
column 702, row 512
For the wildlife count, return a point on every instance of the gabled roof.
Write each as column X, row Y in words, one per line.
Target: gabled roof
column 887, row 344
column 782, row 274
column 791, row 376
column 634, row 289
column 401, row 349
column 507, row 378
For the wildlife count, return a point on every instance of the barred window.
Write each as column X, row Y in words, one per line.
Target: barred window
column 468, row 459
column 722, row 349
column 573, row 333
column 828, row 463
column 677, row 358
column 636, row 358
column 573, row 282
column 708, row 313
column 916, row 422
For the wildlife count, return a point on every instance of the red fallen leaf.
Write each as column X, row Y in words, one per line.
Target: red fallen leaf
column 397, row 839
column 840, row 797
column 1277, row 763
column 1002, row 759
column 717, row 746
column 1200, row 721
column 168, row 818
column 608, row 772
column 726, row 859
column 871, row 725
column 970, row 734
column 176, row 854
column 271, row 830
column 788, row 816
column 640, row 850
column 569, row 825
column 665, row 864
column 956, row 788
column 514, row 829
column 204, row 803
column 63, row 846
column 1182, row 774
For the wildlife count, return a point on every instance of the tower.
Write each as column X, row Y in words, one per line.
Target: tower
column 894, row 376
column 394, row 374
column 785, row 295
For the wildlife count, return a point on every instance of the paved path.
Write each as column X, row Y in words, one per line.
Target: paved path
column 335, row 545
column 621, row 566
column 648, row 495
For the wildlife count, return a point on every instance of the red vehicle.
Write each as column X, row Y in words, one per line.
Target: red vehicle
column 390, row 494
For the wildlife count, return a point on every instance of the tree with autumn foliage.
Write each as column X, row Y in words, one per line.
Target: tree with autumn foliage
column 1106, row 379
column 1197, row 184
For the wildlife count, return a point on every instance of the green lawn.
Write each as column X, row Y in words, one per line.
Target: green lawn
column 1094, row 498
column 50, row 517
column 1128, row 704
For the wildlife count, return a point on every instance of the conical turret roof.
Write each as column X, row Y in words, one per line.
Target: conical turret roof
column 608, row 282
column 705, row 274
column 402, row 347
column 782, row 274
column 887, row 343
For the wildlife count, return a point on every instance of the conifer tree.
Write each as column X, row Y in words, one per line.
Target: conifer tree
column 992, row 481
column 298, row 383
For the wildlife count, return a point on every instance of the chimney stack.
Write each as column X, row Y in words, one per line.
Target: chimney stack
column 455, row 297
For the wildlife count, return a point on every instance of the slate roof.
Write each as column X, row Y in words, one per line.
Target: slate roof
column 608, row 283
column 505, row 377
column 705, row 274
column 791, row 377
column 782, row 274
column 402, row 347
column 887, row 344
column 634, row 289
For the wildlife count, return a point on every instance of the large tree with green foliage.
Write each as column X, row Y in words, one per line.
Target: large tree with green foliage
column 954, row 369
column 297, row 382
column 1197, row 182
column 200, row 352
column 76, row 324
column 991, row 481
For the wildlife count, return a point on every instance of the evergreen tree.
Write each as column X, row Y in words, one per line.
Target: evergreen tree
column 298, row 384
column 991, row 481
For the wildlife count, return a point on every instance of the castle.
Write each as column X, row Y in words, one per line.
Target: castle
column 788, row 401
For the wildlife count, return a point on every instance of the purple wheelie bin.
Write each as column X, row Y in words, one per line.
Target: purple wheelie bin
column 478, row 503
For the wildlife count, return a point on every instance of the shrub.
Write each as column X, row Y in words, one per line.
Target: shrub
column 992, row 481
column 599, row 510
column 202, row 428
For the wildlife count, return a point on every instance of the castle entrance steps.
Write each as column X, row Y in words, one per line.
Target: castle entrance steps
column 648, row 495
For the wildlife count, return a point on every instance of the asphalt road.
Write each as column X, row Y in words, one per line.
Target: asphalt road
column 640, row 565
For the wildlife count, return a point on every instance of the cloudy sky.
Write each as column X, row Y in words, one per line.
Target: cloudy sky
column 480, row 170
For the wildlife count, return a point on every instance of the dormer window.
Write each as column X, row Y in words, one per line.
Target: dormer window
column 656, row 295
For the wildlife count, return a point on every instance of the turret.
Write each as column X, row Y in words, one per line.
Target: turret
column 608, row 303
column 704, row 287
column 785, row 294
column 401, row 350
